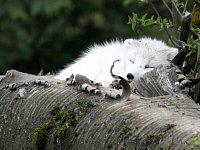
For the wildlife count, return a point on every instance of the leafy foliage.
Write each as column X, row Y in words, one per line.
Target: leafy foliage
column 47, row 34
column 137, row 23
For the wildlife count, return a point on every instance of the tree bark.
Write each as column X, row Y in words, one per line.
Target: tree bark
column 39, row 112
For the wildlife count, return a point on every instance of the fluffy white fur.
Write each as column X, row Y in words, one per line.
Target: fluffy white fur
column 136, row 57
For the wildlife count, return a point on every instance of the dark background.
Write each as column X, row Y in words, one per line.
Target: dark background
column 47, row 34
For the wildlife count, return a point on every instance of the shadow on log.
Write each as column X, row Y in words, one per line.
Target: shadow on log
column 43, row 113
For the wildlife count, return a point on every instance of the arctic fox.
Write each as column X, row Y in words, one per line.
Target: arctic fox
column 137, row 56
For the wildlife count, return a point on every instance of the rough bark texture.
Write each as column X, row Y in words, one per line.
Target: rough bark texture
column 44, row 113
column 197, row 75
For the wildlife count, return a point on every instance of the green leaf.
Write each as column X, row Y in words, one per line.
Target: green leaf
column 133, row 21
column 144, row 17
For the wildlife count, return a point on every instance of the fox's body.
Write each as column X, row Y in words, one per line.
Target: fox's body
column 136, row 58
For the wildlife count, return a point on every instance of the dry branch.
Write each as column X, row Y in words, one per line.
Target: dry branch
column 49, row 114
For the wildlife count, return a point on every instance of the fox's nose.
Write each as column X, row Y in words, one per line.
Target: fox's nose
column 130, row 76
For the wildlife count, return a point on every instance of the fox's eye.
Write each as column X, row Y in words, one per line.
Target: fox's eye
column 132, row 61
column 147, row 66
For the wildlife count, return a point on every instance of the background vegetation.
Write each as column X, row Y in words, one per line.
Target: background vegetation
column 47, row 34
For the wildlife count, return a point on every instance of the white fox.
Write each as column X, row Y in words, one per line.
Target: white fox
column 137, row 56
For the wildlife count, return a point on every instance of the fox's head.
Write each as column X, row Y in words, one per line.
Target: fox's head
column 146, row 54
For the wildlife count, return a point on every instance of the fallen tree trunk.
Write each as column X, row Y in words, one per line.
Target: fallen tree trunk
column 39, row 112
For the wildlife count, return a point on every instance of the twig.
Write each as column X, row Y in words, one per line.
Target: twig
column 166, row 5
column 111, row 69
column 186, row 3
column 158, row 14
column 125, row 85
column 185, row 21
column 176, row 8
column 175, row 19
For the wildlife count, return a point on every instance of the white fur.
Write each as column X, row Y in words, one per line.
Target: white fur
column 134, row 55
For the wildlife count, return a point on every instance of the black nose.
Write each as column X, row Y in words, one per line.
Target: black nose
column 130, row 76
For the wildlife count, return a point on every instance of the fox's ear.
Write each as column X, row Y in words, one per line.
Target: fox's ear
column 130, row 42
column 171, row 53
